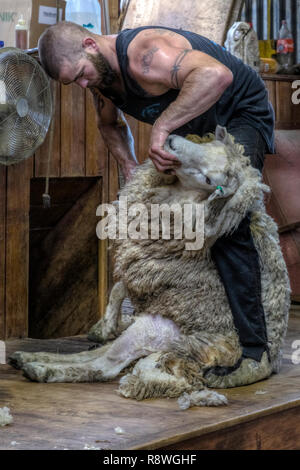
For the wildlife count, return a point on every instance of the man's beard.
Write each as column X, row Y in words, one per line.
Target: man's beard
column 106, row 75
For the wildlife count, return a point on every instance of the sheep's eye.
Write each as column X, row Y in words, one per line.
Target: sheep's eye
column 208, row 181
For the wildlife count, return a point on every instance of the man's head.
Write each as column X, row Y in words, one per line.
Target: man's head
column 70, row 53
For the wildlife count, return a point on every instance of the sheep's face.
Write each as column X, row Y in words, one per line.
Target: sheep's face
column 202, row 165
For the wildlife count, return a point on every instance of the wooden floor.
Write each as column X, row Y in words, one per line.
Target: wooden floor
column 265, row 415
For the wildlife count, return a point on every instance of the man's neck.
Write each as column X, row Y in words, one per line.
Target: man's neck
column 107, row 46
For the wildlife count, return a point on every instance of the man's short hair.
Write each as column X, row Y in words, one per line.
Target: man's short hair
column 60, row 42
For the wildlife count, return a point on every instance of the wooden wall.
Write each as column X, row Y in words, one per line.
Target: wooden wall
column 280, row 94
column 78, row 151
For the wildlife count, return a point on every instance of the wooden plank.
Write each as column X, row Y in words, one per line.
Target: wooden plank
column 3, row 172
column 41, row 155
column 86, row 414
column 114, row 15
column 256, row 435
column 72, row 130
column 144, row 141
column 271, row 87
column 103, row 276
column 17, row 248
column 95, row 148
column 287, row 113
column 212, row 21
column 134, row 127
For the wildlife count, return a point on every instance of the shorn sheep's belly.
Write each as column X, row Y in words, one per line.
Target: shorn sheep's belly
column 187, row 291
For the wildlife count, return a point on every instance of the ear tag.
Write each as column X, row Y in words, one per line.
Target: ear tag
column 219, row 190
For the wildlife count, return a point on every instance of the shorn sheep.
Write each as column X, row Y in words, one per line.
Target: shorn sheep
column 183, row 328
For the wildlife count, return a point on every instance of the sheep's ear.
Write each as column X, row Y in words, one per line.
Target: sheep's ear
column 221, row 133
column 223, row 136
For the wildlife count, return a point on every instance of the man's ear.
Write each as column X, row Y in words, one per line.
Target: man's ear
column 89, row 43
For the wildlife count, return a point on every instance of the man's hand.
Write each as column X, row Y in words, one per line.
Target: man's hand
column 162, row 160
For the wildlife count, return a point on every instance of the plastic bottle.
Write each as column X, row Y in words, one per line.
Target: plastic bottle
column 268, row 65
column 86, row 13
column 21, row 34
column 285, row 46
column 1, row 44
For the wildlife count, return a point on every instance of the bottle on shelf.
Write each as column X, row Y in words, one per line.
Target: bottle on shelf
column 1, row 44
column 21, row 34
column 285, row 46
column 86, row 13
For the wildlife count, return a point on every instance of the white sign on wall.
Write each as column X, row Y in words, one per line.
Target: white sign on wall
column 47, row 15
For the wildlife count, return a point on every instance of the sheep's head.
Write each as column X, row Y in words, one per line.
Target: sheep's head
column 212, row 166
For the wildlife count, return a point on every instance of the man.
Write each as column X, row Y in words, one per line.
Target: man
column 181, row 83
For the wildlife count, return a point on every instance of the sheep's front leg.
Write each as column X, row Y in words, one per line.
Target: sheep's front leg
column 107, row 327
column 147, row 335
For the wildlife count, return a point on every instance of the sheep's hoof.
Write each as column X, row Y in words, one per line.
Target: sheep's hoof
column 36, row 372
column 100, row 333
column 19, row 358
column 247, row 372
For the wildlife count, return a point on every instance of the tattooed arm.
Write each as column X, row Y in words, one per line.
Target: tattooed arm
column 200, row 78
column 115, row 132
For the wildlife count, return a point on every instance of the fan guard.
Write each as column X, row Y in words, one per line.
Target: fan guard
column 25, row 105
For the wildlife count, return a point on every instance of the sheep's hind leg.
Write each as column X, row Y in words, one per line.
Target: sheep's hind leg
column 148, row 380
column 19, row 358
column 247, row 371
column 148, row 334
column 106, row 329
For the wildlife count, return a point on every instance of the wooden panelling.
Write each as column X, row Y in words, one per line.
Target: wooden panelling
column 288, row 113
column 17, row 248
column 42, row 153
column 63, row 283
column 3, row 171
column 134, row 127
column 114, row 15
column 72, row 130
column 95, row 148
column 144, row 140
column 280, row 89
column 271, row 87
column 256, row 435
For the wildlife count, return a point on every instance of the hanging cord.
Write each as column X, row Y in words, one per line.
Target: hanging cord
column 46, row 195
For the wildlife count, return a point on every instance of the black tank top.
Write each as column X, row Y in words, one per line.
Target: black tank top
column 246, row 99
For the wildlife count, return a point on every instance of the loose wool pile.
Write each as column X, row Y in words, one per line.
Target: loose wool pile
column 5, row 416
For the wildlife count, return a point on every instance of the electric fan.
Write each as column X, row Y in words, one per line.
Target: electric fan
column 25, row 105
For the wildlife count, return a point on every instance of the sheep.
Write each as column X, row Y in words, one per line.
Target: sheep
column 183, row 326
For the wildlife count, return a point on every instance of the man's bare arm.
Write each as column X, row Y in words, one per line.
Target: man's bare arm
column 116, row 133
column 200, row 78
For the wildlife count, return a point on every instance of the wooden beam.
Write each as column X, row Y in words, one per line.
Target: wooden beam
column 3, row 173
column 41, row 154
column 259, row 434
column 17, row 248
column 72, row 130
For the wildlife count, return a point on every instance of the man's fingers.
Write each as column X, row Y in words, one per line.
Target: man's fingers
column 163, row 155
column 162, row 165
